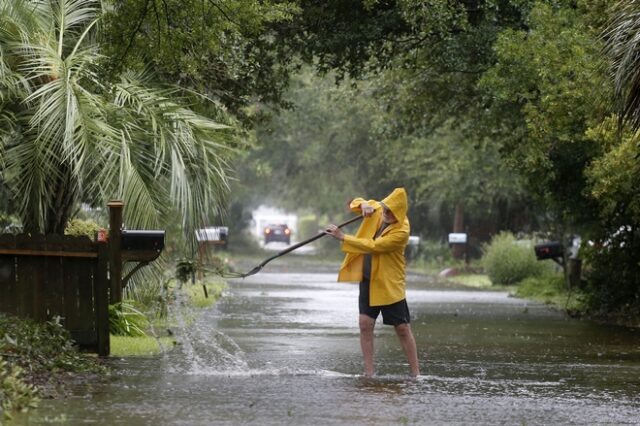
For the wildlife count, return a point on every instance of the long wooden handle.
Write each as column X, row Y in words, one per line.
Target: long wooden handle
column 287, row 250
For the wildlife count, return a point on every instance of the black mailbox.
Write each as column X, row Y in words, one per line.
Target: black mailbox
column 550, row 250
column 141, row 246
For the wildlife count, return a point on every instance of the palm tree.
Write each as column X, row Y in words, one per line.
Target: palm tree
column 66, row 135
column 623, row 47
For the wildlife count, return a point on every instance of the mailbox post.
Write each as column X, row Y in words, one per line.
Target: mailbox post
column 115, row 251
column 554, row 250
column 458, row 240
column 128, row 246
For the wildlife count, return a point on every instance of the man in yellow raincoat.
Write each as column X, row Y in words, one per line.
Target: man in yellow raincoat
column 375, row 258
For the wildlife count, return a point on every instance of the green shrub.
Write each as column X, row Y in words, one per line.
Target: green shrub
column 126, row 320
column 42, row 347
column 15, row 394
column 613, row 277
column 35, row 354
column 78, row 227
column 151, row 296
column 509, row 261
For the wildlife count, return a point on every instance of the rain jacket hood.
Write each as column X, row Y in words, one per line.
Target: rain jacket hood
column 397, row 203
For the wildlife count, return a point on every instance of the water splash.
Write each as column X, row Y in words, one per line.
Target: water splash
column 201, row 348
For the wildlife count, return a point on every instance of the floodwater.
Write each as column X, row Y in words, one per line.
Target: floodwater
column 283, row 349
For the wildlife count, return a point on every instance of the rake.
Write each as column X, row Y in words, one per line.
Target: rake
column 282, row 253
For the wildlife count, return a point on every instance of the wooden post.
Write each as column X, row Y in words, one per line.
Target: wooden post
column 459, row 250
column 115, row 251
column 101, row 294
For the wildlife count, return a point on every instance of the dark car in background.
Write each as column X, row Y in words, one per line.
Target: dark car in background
column 279, row 232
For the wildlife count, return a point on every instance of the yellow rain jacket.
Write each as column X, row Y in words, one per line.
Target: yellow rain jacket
column 387, row 281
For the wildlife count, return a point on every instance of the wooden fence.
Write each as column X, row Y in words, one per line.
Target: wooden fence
column 73, row 278
column 42, row 277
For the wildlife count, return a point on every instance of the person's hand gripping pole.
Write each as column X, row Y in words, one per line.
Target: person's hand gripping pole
column 335, row 231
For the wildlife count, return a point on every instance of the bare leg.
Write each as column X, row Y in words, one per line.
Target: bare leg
column 366, row 342
column 409, row 345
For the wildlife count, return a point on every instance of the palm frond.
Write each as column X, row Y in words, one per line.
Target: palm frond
column 17, row 17
column 71, row 18
column 623, row 47
column 27, row 172
column 91, row 139
column 189, row 150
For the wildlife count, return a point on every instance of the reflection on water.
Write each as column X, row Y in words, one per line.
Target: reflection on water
column 284, row 349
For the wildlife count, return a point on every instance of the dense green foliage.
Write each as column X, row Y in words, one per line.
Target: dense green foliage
column 411, row 125
column 15, row 394
column 613, row 256
column 334, row 145
column 622, row 45
column 32, row 358
column 509, row 261
column 546, row 90
column 505, row 108
column 68, row 135
column 220, row 50
column 126, row 320
column 41, row 347
column 317, row 155
column 82, row 227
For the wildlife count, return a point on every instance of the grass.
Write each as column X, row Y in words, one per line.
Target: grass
column 551, row 290
column 472, row 280
column 197, row 296
column 140, row 345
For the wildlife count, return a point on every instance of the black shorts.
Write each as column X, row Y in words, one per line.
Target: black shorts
column 394, row 314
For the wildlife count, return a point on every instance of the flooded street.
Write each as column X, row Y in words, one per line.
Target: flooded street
column 283, row 348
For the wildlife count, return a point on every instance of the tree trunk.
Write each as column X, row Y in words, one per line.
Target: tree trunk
column 459, row 250
column 62, row 202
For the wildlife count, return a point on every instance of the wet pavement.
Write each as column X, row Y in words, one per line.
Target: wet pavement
column 282, row 348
